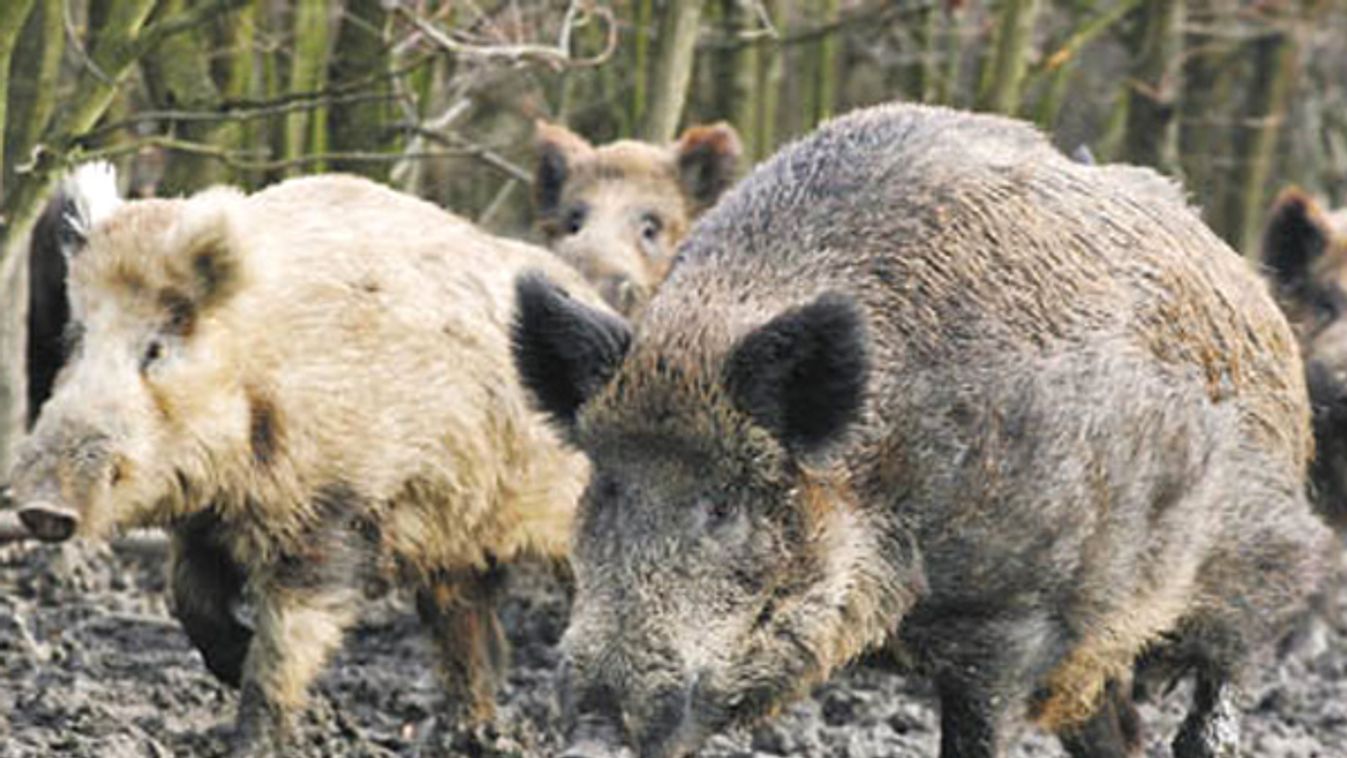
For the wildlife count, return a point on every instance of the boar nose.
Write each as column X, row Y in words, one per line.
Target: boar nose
column 620, row 292
column 47, row 522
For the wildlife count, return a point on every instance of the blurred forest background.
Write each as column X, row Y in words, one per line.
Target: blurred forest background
column 438, row 97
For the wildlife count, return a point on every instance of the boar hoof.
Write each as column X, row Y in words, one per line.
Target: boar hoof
column 49, row 523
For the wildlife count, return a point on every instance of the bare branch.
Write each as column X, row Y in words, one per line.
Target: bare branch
column 556, row 56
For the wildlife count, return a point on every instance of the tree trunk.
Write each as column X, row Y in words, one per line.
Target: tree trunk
column 668, row 89
column 364, row 125
column 32, row 98
column 1003, row 70
column 178, row 76
column 1151, row 137
column 13, row 17
column 306, row 131
column 1276, row 63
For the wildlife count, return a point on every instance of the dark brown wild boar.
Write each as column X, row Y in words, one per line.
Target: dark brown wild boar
column 921, row 380
column 616, row 212
column 1305, row 255
column 304, row 385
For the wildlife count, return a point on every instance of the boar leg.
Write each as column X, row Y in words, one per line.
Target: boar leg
column 298, row 627
column 1211, row 729
column 1114, row 731
column 458, row 608
column 206, row 584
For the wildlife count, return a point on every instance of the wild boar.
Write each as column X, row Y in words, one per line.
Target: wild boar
column 920, row 380
column 306, row 385
column 1304, row 254
column 616, row 212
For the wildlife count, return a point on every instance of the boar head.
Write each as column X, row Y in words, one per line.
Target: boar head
column 151, row 374
column 616, row 212
column 721, row 567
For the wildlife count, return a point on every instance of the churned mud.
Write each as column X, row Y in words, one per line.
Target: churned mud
column 92, row 664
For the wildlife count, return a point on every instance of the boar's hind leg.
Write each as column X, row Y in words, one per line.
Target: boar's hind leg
column 1114, row 731
column 206, row 585
column 1211, row 729
column 458, row 608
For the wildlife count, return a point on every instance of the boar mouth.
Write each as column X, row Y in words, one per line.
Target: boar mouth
column 47, row 522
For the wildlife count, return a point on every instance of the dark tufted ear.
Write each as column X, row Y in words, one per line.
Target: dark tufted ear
column 564, row 350
column 803, row 375
column 708, row 159
column 1295, row 237
column 558, row 148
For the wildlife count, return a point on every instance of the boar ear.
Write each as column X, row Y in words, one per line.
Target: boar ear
column 558, row 147
column 208, row 264
column 708, row 158
column 1296, row 236
column 803, row 374
column 86, row 196
column 563, row 350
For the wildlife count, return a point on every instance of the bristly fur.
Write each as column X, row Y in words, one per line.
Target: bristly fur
column 802, row 376
column 89, row 195
column 563, row 350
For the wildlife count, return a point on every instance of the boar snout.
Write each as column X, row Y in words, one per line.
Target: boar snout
column 623, row 293
column 48, row 522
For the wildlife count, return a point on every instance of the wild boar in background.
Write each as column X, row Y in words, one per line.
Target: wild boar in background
column 921, row 380
column 1305, row 255
column 305, row 385
column 616, row 212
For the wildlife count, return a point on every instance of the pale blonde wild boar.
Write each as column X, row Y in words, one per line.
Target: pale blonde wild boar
column 303, row 384
column 617, row 211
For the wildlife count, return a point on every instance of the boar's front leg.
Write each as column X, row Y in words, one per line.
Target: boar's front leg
column 1211, row 729
column 206, row 584
column 304, row 601
column 458, row 609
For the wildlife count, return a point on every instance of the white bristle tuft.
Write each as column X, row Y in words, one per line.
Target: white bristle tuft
column 91, row 191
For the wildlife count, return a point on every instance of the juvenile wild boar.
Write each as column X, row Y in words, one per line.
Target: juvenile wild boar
column 921, row 380
column 616, row 212
column 1305, row 255
column 304, row 384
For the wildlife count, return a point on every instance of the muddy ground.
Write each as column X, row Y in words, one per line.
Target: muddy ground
column 91, row 664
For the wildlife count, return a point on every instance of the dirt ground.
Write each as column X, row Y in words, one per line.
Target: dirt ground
column 91, row 664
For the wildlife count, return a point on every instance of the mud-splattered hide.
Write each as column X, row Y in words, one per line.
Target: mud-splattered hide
column 1304, row 254
column 617, row 211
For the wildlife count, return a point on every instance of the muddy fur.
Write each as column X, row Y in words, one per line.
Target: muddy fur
column 1079, row 458
column 1304, row 254
column 616, row 212
column 310, row 386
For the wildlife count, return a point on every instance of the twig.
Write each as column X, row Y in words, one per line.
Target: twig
column 555, row 56
column 488, row 156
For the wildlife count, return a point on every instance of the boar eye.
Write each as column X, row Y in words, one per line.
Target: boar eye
column 651, row 226
column 153, row 352
column 718, row 511
column 575, row 219
column 1325, row 310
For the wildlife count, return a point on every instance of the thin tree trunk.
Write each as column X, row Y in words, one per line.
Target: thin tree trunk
column 768, row 91
column 668, row 89
column 1003, row 71
column 306, row 131
column 825, row 63
column 179, row 77
column 1276, row 64
column 32, row 99
column 1151, row 137
column 13, row 16
column 362, row 125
